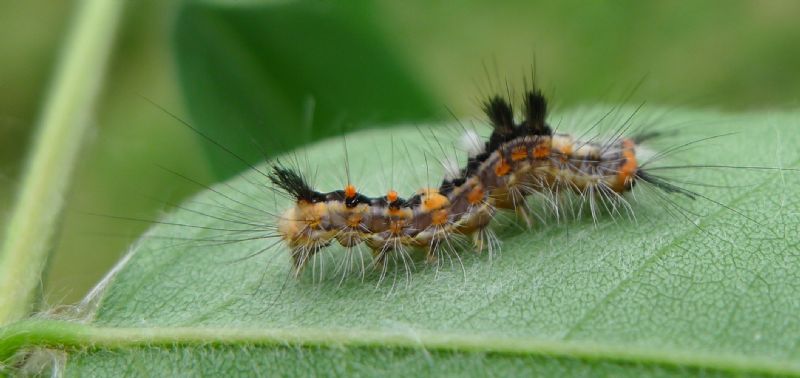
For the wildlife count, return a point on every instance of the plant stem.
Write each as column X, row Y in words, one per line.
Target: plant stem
column 60, row 131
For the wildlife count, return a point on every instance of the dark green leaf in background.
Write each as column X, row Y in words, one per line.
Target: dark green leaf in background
column 256, row 74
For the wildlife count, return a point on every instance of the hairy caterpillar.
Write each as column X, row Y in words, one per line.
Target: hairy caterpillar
column 522, row 158
column 518, row 160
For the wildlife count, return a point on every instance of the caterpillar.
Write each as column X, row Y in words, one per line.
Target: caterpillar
column 276, row 207
column 519, row 159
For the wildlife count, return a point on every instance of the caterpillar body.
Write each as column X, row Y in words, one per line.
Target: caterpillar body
column 518, row 160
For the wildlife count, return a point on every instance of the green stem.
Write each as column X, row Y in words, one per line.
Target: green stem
column 60, row 132
column 76, row 336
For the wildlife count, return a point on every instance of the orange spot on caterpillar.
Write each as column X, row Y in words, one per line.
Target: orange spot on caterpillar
column 475, row 196
column 391, row 196
column 432, row 200
column 628, row 169
column 519, row 153
column 394, row 212
column 354, row 220
column 349, row 191
column 565, row 149
column 502, row 168
column 439, row 217
column 399, row 212
column 541, row 151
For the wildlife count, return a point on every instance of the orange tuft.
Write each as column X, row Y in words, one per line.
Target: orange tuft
column 432, row 200
column 399, row 212
column 566, row 149
column 349, row 191
column 502, row 168
column 475, row 196
column 541, row 151
column 354, row 220
column 519, row 153
column 630, row 166
column 391, row 196
column 439, row 217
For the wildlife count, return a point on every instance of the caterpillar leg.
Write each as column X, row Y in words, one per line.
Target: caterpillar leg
column 380, row 256
column 483, row 239
column 478, row 242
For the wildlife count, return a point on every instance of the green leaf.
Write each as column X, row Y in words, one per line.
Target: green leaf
column 299, row 71
column 707, row 290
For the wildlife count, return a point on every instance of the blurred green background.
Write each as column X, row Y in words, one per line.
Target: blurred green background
column 272, row 75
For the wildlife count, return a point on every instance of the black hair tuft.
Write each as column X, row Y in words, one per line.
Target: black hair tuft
column 536, row 113
column 663, row 185
column 293, row 183
column 500, row 114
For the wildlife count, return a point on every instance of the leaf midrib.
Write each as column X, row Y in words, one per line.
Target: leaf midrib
column 72, row 336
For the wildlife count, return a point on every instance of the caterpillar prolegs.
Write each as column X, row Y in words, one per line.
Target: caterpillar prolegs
column 521, row 158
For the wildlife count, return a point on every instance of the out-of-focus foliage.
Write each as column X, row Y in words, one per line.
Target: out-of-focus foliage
column 298, row 71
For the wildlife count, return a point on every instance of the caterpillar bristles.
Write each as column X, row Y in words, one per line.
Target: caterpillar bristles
column 519, row 160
